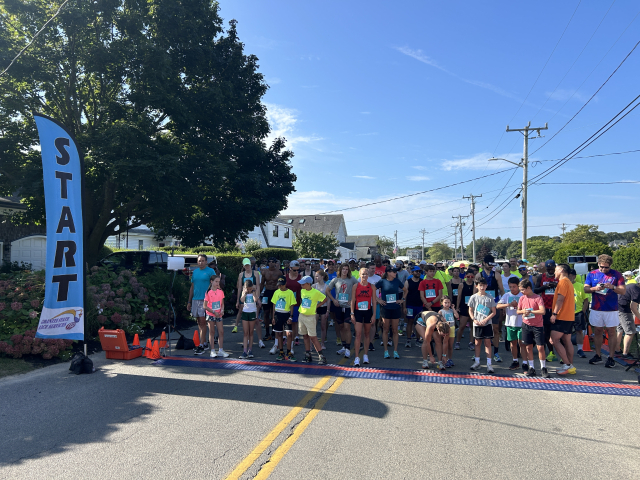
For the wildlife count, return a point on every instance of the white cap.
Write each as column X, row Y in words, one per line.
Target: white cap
column 423, row 262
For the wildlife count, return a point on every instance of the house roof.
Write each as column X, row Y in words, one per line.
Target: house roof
column 313, row 223
column 11, row 202
column 363, row 240
column 348, row 245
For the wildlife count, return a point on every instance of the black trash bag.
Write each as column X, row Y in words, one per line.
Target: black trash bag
column 81, row 364
column 184, row 343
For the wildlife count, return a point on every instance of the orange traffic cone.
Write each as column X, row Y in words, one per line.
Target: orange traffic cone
column 606, row 339
column 155, row 351
column 163, row 340
column 136, row 340
column 147, row 349
column 586, row 345
column 196, row 338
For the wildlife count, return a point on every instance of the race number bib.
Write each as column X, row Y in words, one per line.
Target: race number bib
column 281, row 305
column 265, row 299
column 249, row 299
column 306, row 303
column 482, row 312
column 410, row 312
column 466, row 299
column 491, row 293
column 431, row 293
column 448, row 316
column 215, row 306
column 549, row 291
column 391, row 298
column 455, row 292
column 529, row 315
column 363, row 306
column 513, row 299
column 343, row 297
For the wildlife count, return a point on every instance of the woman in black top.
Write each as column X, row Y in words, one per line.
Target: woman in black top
column 413, row 303
column 390, row 288
column 465, row 290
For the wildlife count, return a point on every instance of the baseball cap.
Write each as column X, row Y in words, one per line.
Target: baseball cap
column 572, row 271
column 246, row 261
column 306, row 279
column 352, row 260
column 282, row 281
column 423, row 262
column 524, row 260
column 416, row 269
column 628, row 273
column 462, row 265
column 550, row 263
column 294, row 263
column 390, row 269
column 522, row 267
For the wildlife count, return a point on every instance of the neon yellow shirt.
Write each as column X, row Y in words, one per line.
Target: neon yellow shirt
column 580, row 296
column 309, row 300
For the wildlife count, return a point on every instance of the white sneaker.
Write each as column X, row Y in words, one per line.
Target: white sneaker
column 292, row 350
column 213, row 353
column 490, row 369
column 382, row 343
column 261, row 344
column 323, row 346
column 273, row 350
column 390, row 343
column 347, row 353
column 563, row 369
column 222, row 353
column 365, row 359
column 331, row 323
column 425, row 364
column 356, row 362
column 341, row 351
column 475, row 366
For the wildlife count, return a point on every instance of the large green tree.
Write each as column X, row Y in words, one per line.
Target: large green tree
column 385, row 245
column 539, row 250
column 315, row 245
column 585, row 233
column 163, row 103
column 439, row 251
column 581, row 248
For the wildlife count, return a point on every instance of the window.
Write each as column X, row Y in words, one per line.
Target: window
column 290, row 221
column 140, row 244
column 301, row 220
column 161, row 245
column 286, row 233
column 275, row 230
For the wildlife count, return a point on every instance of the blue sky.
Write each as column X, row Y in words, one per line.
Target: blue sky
column 384, row 99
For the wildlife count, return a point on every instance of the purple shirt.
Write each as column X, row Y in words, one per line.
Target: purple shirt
column 609, row 301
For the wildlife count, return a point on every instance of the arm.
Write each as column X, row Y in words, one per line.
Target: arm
column 353, row 299
column 498, row 278
column 557, row 308
column 405, row 291
column 190, row 297
column 585, row 305
column 380, row 300
column 502, row 306
column 206, row 305
column 328, row 291
column 490, row 316
column 634, row 309
column 424, row 300
column 438, row 296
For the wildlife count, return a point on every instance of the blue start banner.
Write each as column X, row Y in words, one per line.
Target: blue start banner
column 62, row 314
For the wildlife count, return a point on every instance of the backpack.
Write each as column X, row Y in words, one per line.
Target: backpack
column 185, row 343
column 81, row 364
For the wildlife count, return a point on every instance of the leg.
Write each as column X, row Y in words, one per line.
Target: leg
column 611, row 333
column 421, row 331
column 597, row 339
column 409, row 331
column 323, row 327
column 246, row 325
column 394, row 324
column 220, row 328
column 202, row 329
column 315, row 342
column 438, row 341
column 478, row 346
column 294, row 328
column 307, row 343
column 385, row 332
column 250, row 327
column 541, row 353
column 345, row 333
column 488, row 348
column 212, row 332
column 556, row 341
column 566, row 338
column 356, row 347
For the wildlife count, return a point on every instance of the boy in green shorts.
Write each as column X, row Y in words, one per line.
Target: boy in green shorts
column 513, row 321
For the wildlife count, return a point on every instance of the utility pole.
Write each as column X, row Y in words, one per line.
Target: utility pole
column 473, row 197
column 423, row 232
column 564, row 227
column 524, row 164
column 455, row 241
column 460, row 224
column 395, row 251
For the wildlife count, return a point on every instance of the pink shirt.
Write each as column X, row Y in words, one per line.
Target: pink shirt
column 536, row 303
column 213, row 299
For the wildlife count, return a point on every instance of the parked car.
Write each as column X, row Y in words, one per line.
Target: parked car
column 140, row 260
column 191, row 262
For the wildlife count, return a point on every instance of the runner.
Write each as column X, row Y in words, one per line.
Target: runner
column 390, row 287
column 331, row 274
column 432, row 325
column 245, row 274
column 310, row 299
column 363, row 302
column 493, row 278
column 627, row 308
column 403, row 276
column 341, row 305
column 284, row 302
column 454, row 285
column 581, row 301
column 431, row 290
column 373, row 279
column 546, row 288
column 270, row 285
column 250, row 304
column 380, row 268
column 482, row 309
column 199, row 285
column 353, row 266
column 513, row 322
column 450, row 314
column 414, row 302
column 562, row 319
column 464, row 295
column 214, row 306
column 531, row 307
column 605, row 284
column 321, row 285
column 444, row 278
column 295, row 287
column 513, row 269
column 308, row 272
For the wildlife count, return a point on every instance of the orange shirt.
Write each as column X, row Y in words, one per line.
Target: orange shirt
column 565, row 288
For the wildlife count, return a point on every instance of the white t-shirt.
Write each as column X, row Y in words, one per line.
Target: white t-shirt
column 512, row 318
column 373, row 279
column 505, row 281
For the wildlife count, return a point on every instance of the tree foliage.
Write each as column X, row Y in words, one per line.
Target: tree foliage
column 439, row 251
column 315, row 245
column 163, row 103
column 540, row 250
column 584, row 233
column 385, row 245
column 581, row 248
column 251, row 245
column 627, row 258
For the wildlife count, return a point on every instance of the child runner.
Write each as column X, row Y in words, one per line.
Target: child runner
column 284, row 301
column 309, row 300
column 465, row 291
column 214, row 306
column 390, row 287
column 513, row 322
column 432, row 325
column 450, row 315
column 250, row 303
column 482, row 309
column 363, row 304
column 531, row 307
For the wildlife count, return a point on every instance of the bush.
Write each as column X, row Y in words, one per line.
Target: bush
column 588, row 247
column 626, row 258
column 279, row 253
column 231, row 262
column 104, row 251
column 21, row 297
column 28, row 344
column 251, row 246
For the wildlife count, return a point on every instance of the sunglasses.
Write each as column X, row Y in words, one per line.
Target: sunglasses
column 604, row 267
column 295, row 269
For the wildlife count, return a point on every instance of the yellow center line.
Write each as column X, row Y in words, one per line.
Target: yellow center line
column 282, row 450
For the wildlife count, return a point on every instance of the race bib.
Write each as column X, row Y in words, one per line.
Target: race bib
column 448, row 316
column 483, row 311
column 466, row 299
column 491, row 293
column 249, row 299
column 431, row 293
column 363, row 306
column 455, row 292
column 265, row 299
column 410, row 312
column 215, row 306
column 529, row 315
column 306, row 303
column 603, row 292
column 281, row 305
column 391, row 298
column 512, row 299
column 343, row 297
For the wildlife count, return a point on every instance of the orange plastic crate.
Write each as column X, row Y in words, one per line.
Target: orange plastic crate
column 114, row 343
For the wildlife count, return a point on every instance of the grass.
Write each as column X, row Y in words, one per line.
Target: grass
column 13, row 366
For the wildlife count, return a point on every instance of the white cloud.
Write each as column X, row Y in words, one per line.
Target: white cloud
column 480, row 162
column 367, row 177
column 417, row 178
column 283, row 122
column 562, row 95
column 273, row 81
column 419, row 167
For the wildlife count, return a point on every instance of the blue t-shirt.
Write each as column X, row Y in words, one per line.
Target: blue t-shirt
column 389, row 290
column 200, row 279
column 331, row 277
column 607, row 301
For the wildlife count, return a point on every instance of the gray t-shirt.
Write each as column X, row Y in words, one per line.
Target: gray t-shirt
column 481, row 306
column 343, row 287
column 403, row 275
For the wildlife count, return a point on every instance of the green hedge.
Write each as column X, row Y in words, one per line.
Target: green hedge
column 230, row 261
column 279, row 253
column 626, row 258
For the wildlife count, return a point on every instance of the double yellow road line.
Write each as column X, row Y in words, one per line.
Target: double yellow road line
column 281, row 451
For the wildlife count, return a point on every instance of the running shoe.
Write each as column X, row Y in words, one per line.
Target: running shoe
column 243, row 356
column 291, row 358
column 250, row 354
column 449, row 364
column 280, row 357
column 456, row 346
column 551, row 357
column 356, row 362
column 396, row 355
column 261, row 344
column 371, row 347
column 581, row 354
column 525, row 368
column 382, row 343
column 338, row 341
column 215, row 340
column 545, row 372
column 400, row 332
column 322, row 360
column 341, row 351
column 297, row 342
column 390, row 343
column 205, row 346
column 386, row 354
column 331, row 323
column 376, row 336
column 472, row 346
column 213, row 353
column 475, row 366
column 515, row 365
column 496, row 358
column 618, row 352
column 222, row 353
column 531, row 372
column 563, row 370
column 267, row 338
column 307, row 358
column 234, row 329
column 595, row 360
column 440, row 366
column 572, row 371
column 347, row 353
column 407, row 344
column 323, row 346
column 365, row 359
column 628, row 356
column 273, row 350
column 199, row 350
column 490, row 369
column 425, row 364
column 610, row 363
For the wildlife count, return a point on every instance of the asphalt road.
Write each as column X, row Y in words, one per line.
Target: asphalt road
column 137, row 420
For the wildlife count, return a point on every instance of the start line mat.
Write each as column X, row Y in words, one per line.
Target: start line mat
column 405, row 375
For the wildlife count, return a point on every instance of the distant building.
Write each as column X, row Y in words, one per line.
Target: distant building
column 273, row 234
column 348, row 250
column 414, row 255
column 327, row 224
column 21, row 243
column 618, row 243
column 140, row 238
column 366, row 246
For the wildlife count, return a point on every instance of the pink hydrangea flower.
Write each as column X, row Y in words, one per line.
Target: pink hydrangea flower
column 116, row 318
column 16, row 306
column 33, row 314
column 35, row 303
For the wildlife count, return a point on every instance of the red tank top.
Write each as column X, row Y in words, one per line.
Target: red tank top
column 295, row 287
column 364, row 294
column 546, row 298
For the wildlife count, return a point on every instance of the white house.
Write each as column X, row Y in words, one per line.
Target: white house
column 327, row 224
column 273, row 234
column 140, row 238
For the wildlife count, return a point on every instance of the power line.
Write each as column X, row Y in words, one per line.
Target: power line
column 589, row 156
column 559, row 224
column 589, row 183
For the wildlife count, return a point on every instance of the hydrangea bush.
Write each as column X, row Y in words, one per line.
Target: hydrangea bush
column 21, row 297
